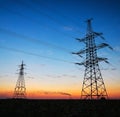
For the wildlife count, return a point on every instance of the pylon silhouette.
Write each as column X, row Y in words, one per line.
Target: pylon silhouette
column 20, row 90
column 93, row 86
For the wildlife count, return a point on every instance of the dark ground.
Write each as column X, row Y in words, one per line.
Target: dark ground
column 59, row 108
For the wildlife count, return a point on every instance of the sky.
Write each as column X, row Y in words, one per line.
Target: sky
column 42, row 33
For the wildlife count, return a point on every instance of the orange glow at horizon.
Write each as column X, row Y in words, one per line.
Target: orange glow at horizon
column 38, row 90
column 53, row 95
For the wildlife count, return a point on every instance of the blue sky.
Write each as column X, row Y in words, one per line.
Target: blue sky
column 56, row 24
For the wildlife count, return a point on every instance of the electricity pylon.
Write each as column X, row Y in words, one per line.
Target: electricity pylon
column 20, row 90
column 93, row 86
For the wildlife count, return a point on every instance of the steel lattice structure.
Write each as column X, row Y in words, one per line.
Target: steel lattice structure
column 93, row 86
column 20, row 90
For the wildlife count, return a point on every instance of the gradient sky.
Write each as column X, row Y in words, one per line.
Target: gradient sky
column 56, row 24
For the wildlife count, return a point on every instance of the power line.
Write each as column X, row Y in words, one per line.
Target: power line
column 62, row 15
column 33, row 39
column 37, row 41
column 36, row 21
column 42, row 13
column 34, row 54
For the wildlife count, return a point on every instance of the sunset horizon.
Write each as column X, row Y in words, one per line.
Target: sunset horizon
column 45, row 36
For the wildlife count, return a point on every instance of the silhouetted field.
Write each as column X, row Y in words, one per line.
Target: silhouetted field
column 59, row 108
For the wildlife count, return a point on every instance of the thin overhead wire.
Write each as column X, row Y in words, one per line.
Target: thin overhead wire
column 37, row 21
column 37, row 41
column 33, row 54
column 26, row 4
column 57, row 12
column 33, row 40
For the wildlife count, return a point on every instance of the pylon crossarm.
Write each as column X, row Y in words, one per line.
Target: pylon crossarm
column 80, row 63
column 102, row 45
column 102, row 59
column 93, row 34
column 80, row 52
column 81, row 40
column 99, row 34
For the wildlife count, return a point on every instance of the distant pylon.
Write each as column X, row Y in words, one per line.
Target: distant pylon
column 93, row 86
column 20, row 90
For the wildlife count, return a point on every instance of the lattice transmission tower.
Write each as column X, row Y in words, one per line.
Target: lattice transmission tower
column 93, row 86
column 20, row 90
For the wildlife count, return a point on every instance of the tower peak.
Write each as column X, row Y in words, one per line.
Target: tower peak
column 89, row 26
